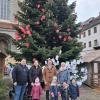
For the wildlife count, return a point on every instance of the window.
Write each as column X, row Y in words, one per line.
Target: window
column 95, row 42
column 89, row 32
column 89, row 43
column 95, row 29
column 4, row 9
column 84, row 45
column 84, row 34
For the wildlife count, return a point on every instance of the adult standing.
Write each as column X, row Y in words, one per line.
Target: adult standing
column 35, row 71
column 64, row 80
column 20, row 79
column 48, row 73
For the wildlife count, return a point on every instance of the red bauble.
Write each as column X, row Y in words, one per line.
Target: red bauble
column 43, row 10
column 65, row 38
column 23, row 30
column 68, row 30
column 70, row 38
column 37, row 23
column 27, row 45
column 60, row 37
column 17, row 37
column 57, row 30
column 29, row 33
column 42, row 18
column 38, row 6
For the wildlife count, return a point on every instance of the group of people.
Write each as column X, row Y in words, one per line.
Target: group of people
column 57, row 82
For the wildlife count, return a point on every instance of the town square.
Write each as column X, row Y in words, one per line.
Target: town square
column 49, row 50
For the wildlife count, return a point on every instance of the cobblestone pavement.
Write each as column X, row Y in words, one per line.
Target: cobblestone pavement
column 86, row 93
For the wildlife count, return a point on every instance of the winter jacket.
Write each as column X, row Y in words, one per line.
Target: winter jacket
column 74, row 91
column 20, row 74
column 55, row 89
column 36, row 92
column 63, row 76
column 48, row 75
column 34, row 73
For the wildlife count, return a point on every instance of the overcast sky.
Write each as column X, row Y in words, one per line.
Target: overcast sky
column 87, row 8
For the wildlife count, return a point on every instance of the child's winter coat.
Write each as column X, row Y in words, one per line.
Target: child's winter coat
column 36, row 92
column 74, row 91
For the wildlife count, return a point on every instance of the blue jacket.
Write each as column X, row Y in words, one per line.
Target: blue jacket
column 55, row 90
column 74, row 91
column 64, row 76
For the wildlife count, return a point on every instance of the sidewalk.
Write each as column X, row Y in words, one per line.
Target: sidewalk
column 86, row 93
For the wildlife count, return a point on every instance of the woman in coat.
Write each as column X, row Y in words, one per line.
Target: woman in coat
column 35, row 72
column 49, row 72
column 64, row 80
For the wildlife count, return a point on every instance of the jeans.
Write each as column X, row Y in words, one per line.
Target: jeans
column 47, row 94
column 19, row 92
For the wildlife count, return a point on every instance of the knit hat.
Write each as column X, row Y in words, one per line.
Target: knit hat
column 54, row 81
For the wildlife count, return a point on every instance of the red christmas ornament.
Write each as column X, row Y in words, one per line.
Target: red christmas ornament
column 43, row 10
column 42, row 18
column 70, row 38
column 23, row 30
column 27, row 45
column 38, row 6
column 17, row 37
column 57, row 30
column 65, row 38
column 68, row 30
column 29, row 33
column 60, row 37
column 37, row 23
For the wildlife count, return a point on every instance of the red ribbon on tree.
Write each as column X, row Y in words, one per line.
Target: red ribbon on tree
column 17, row 37
column 23, row 30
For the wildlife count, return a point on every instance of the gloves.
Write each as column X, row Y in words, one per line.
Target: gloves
column 52, row 94
column 15, row 83
column 32, row 84
column 59, row 94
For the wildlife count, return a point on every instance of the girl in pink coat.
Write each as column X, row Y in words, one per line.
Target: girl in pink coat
column 36, row 90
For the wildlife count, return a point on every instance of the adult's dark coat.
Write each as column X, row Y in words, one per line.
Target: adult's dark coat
column 34, row 73
column 20, row 74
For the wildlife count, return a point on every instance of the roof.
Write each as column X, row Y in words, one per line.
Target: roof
column 90, row 23
column 91, row 56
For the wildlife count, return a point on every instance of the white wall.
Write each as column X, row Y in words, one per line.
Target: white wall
column 91, row 38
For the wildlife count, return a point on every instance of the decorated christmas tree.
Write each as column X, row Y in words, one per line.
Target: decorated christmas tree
column 46, row 29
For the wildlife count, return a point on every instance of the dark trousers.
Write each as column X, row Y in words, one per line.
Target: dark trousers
column 54, row 98
column 64, row 94
column 47, row 94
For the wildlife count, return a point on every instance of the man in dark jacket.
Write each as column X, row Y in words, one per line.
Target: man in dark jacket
column 20, row 79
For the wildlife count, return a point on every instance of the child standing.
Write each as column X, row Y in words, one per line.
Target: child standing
column 36, row 90
column 54, row 89
column 74, row 90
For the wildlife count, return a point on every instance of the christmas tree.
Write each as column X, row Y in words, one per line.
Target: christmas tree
column 46, row 28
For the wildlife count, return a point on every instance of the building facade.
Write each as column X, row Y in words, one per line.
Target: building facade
column 90, row 38
column 8, row 9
